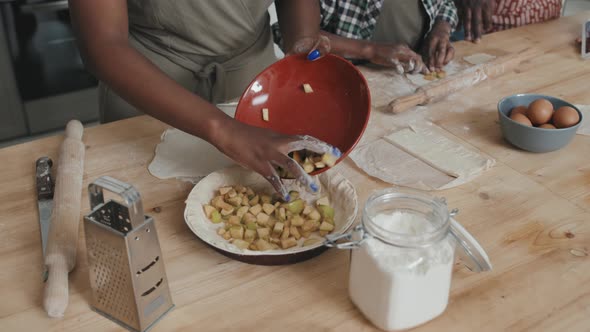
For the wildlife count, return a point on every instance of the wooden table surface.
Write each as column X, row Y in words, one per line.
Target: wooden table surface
column 529, row 211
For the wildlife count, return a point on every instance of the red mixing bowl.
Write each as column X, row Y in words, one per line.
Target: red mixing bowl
column 336, row 112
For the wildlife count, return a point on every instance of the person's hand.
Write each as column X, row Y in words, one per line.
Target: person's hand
column 437, row 49
column 476, row 17
column 309, row 44
column 262, row 150
column 399, row 56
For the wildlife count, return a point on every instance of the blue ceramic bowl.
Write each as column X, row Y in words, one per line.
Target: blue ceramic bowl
column 531, row 138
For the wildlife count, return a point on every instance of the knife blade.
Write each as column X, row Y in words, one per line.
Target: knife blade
column 45, row 187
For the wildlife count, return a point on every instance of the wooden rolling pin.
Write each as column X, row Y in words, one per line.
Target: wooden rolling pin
column 476, row 74
column 62, row 241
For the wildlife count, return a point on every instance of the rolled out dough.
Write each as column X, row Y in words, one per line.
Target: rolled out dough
column 430, row 144
column 385, row 161
column 420, row 157
column 186, row 157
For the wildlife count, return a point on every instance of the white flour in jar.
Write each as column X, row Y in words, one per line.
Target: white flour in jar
column 400, row 288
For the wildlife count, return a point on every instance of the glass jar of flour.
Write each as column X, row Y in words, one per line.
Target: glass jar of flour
column 403, row 256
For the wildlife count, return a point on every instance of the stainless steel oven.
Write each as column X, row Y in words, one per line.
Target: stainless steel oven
column 47, row 71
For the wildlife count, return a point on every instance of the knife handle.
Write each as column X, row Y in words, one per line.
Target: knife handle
column 44, row 181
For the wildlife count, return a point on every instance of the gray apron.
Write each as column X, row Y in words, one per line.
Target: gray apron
column 213, row 48
column 402, row 21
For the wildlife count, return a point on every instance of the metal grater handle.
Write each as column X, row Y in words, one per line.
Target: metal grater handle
column 127, row 192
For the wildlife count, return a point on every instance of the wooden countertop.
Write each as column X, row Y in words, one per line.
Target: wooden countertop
column 529, row 211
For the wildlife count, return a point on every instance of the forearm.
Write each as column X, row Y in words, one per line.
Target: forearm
column 298, row 19
column 448, row 13
column 146, row 87
column 350, row 48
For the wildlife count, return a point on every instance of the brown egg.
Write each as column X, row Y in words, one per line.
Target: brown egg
column 522, row 119
column 547, row 126
column 540, row 111
column 565, row 117
column 518, row 109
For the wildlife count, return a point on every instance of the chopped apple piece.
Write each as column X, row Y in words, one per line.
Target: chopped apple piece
column 282, row 214
column 262, row 218
column 288, row 243
column 227, row 212
column 326, row 226
column 241, row 212
column 224, row 190
column 315, row 215
column 319, row 164
column 250, row 192
column 263, row 245
column 215, row 217
column 295, row 206
column 235, row 201
column 219, row 203
column 250, row 235
column 234, row 220
column 263, row 233
column 308, row 167
column 255, row 209
column 265, row 114
column 327, row 212
column 323, row 201
column 310, row 226
column 241, row 244
column 265, row 199
column 268, row 208
column 221, row 231
column 232, row 193
column 295, row 232
column 297, row 221
column 286, row 233
column 278, row 228
column 251, row 225
column 249, row 217
column 255, row 200
column 329, row 159
column 208, row 210
column 237, row 232
column 307, row 88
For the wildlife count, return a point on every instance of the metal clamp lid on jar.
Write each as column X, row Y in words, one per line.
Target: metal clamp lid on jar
column 471, row 252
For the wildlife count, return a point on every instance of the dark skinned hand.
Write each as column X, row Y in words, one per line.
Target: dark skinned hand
column 262, row 150
column 476, row 17
column 437, row 49
column 309, row 44
column 398, row 56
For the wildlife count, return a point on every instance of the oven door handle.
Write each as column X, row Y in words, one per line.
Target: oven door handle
column 50, row 6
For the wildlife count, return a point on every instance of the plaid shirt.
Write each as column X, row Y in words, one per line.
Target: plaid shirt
column 356, row 19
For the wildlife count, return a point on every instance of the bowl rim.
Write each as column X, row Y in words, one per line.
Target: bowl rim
column 503, row 115
column 335, row 57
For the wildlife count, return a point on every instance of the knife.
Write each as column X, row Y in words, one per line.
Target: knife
column 45, row 188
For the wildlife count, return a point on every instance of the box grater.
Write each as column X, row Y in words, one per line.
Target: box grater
column 127, row 276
